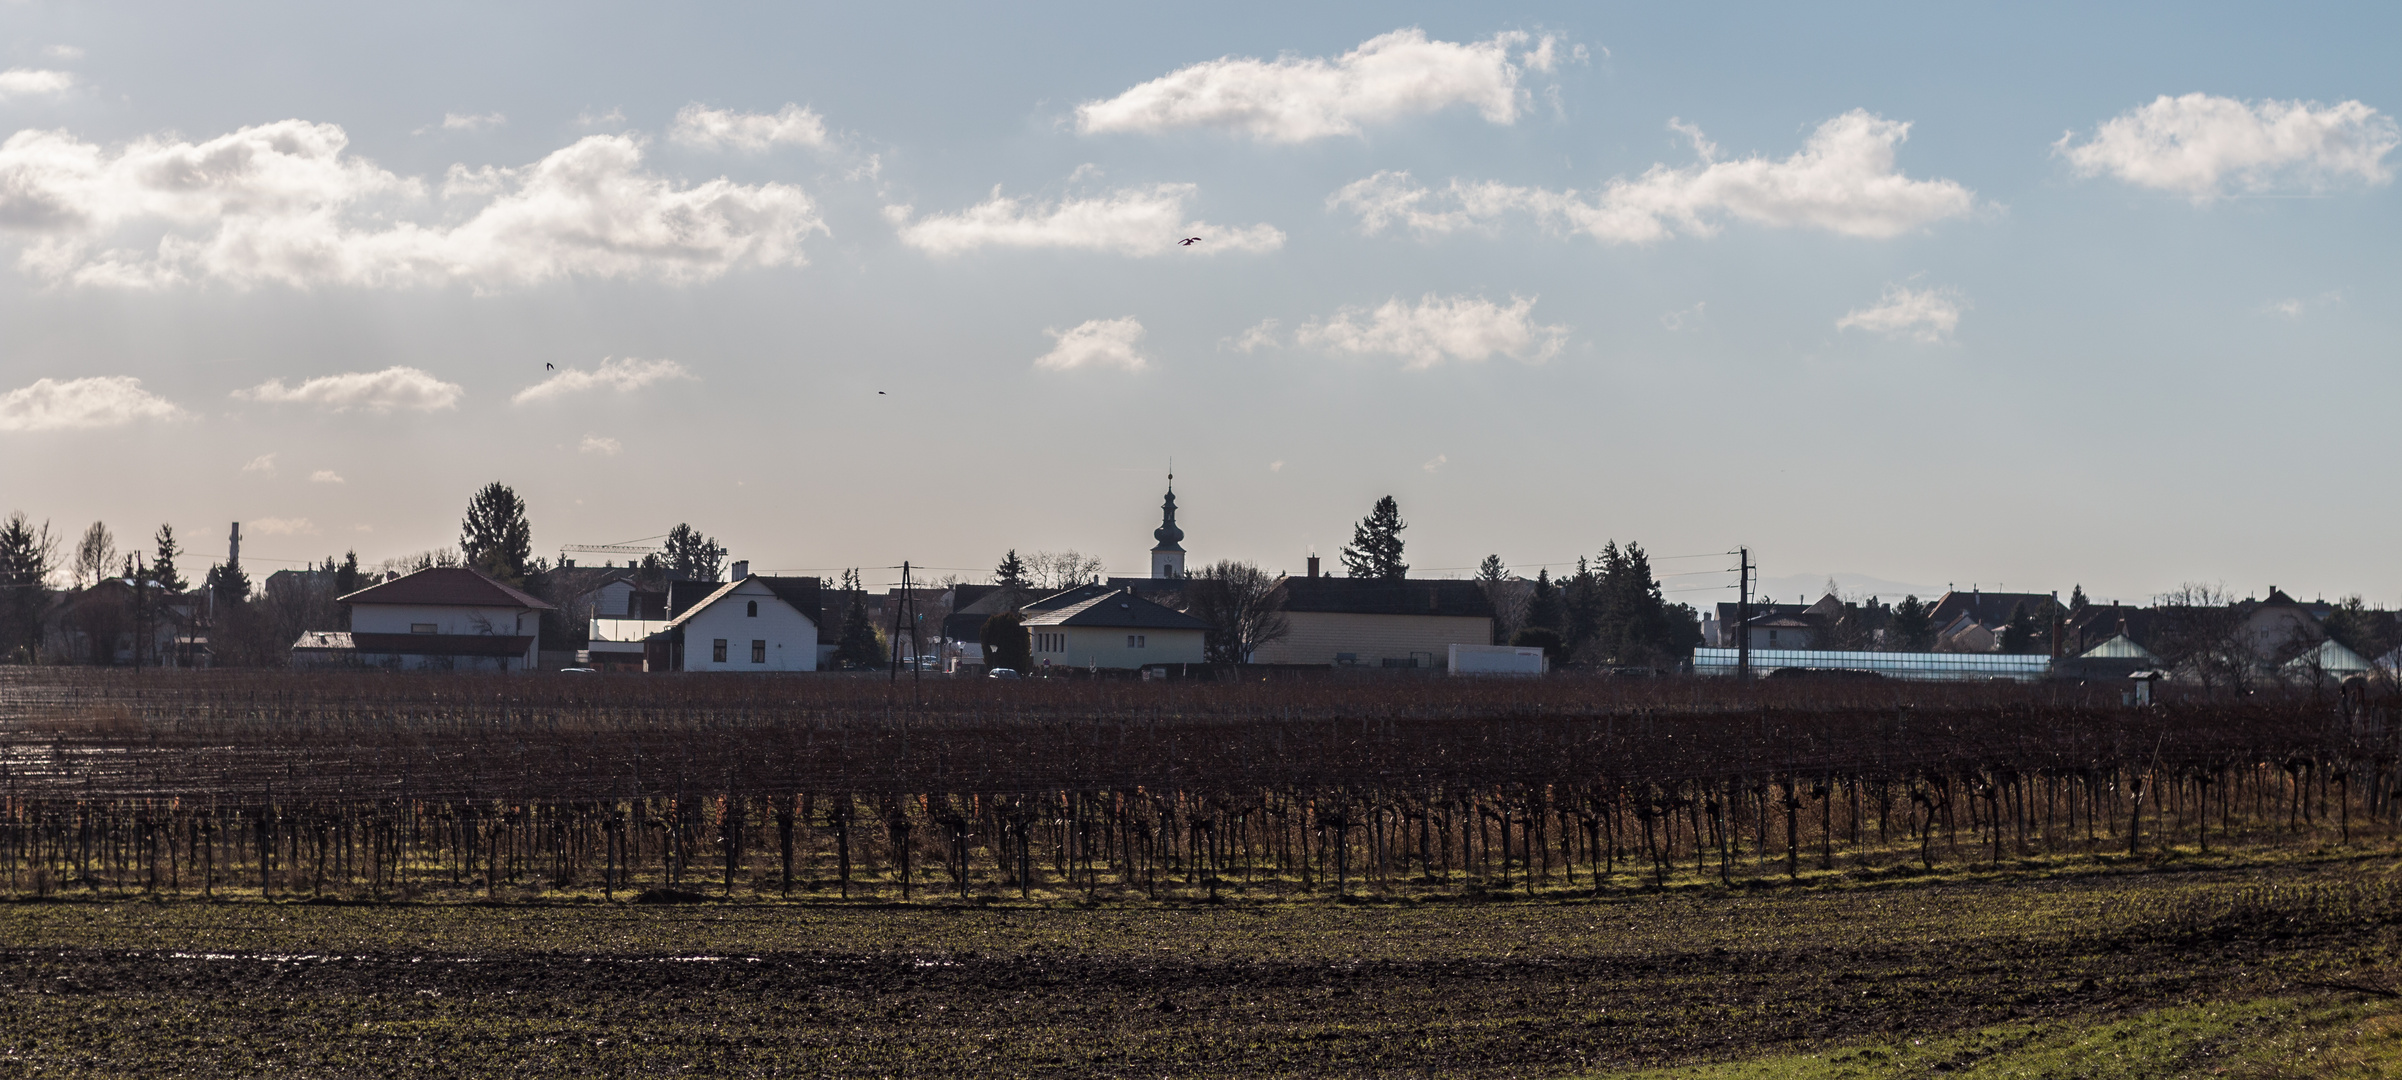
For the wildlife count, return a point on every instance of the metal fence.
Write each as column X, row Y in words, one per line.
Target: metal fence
column 1897, row 665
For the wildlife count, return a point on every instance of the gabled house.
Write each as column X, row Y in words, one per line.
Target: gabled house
column 1096, row 627
column 756, row 623
column 2328, row 661
column 451, row 618
column 1367, row 622
column 2279, row 629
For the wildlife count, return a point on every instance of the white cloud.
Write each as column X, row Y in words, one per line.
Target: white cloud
column 590, row 119
column 373, row 391
column 2297, row 306
column 624, row 376
column 2201, row 146
column 1096, row 343
column 1128, row 221
column 1924, row 315
column 600, row 444
column 1261, row 336
column 1842, row 180
column 98, row 401
column 326, row 476
column 34, row 82
column 1295, row 99
column 1438, row 328
column 1436, row 462
column 62, row 52
column 282, row 203
column 472, row 122
column 723, row 129
column 264, row 463
column 1276, row 466
column 1689, row 317
column 284, row 527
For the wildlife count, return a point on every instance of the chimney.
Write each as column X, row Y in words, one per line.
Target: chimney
column 1313, row 565
column 742, row 569
column 233, row 546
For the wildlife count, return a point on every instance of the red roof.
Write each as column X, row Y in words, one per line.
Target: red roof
column 446, row 586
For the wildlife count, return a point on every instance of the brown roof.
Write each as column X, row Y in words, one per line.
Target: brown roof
column 446, row 586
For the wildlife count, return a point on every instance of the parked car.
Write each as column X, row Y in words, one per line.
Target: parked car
column 1002, row 673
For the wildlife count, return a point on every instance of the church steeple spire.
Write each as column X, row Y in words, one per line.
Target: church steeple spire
column 1167, row 558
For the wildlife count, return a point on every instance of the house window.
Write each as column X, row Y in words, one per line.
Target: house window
column 717, row 651
column 758, row 652
column 754, row 612
column 1134, row 641
column 424, row 628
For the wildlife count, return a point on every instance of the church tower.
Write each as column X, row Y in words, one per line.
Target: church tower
column 1167, row 559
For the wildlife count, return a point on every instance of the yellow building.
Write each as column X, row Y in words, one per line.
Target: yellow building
column 1364, row 622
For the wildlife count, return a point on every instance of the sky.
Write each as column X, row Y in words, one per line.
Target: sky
column 2018, row 296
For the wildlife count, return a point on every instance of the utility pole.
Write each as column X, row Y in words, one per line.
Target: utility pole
column 908, row 603
column 1743, row 613
column 136, row 576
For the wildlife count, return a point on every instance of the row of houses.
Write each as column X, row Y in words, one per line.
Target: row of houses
column 458, row 618
column 1967, row 635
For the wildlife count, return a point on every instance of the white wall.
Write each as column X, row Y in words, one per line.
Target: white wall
column 1318, row 637
column 398, row 618
column 1105, row 647
column 447, row 619
column 791, row 638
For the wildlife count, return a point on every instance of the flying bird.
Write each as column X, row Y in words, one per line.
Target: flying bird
column 879, row 393
column 1188, row 241
column 548, row 367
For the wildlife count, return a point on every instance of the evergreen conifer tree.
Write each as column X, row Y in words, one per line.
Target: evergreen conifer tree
column 1375, row 548
column 1011, row 574
column 27, row 557
column 1911, row 628
column 495, row 536
column 858, row 647
column 1006, row 642
column 1543, row 608
column 162, row 564
column 691, row 556
column 2018, row 636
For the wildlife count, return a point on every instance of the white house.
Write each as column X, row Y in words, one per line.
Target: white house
column 1114, row 629
column 756, row 623
column 445, row 618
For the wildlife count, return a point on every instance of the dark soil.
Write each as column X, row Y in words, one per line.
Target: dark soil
column 1492, row 989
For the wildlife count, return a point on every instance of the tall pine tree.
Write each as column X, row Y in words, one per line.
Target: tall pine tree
column 1375, row 548
column 495, row 536
column 162, row 564
column 858, row 647
column 1011, row 574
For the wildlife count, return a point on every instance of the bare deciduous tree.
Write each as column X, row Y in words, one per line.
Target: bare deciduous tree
column 1056, row 570
column 2201, row 637
column 1238, row 600
column 95, row 556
